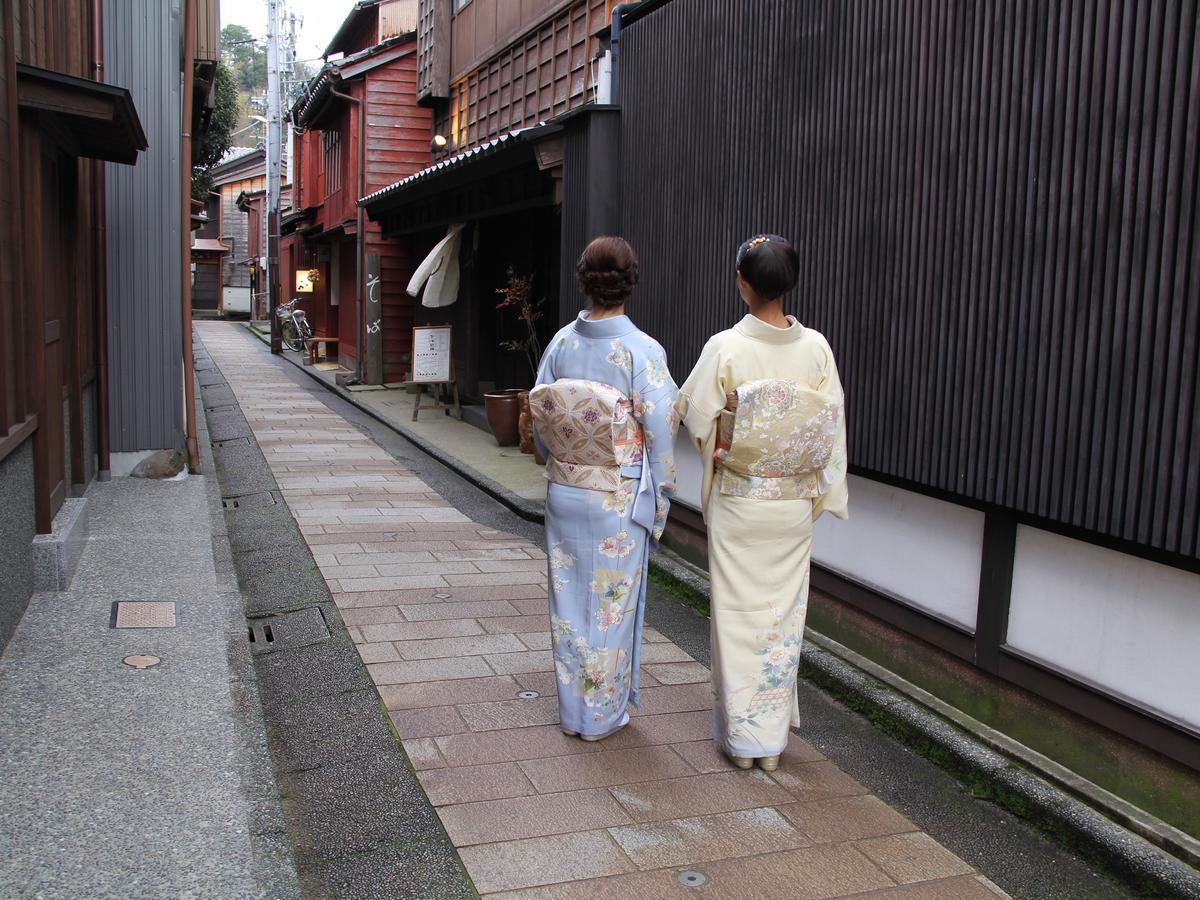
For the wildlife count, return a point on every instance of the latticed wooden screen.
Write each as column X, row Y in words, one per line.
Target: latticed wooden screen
column 547, row 72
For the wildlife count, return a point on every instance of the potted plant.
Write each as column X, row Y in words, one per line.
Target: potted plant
column 508, row 411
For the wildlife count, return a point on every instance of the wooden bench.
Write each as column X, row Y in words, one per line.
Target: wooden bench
column 313, row 343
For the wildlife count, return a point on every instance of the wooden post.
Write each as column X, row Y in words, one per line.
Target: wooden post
column 373, row 318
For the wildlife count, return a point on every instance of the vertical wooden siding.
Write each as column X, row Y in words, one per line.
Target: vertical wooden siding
column 51, row 34
column 996, row 210
column 398, row 134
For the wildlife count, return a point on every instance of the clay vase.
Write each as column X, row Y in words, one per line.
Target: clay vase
column 525, row 424
column 503, row 410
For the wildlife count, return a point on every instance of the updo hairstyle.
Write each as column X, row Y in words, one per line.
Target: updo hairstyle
column 607, row 271
column 770, row 265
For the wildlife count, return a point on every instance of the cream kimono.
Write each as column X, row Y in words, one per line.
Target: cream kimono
column 770, row 469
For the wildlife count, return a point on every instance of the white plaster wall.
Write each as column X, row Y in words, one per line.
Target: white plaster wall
column 687, row 471
column 1125, row 624
column 927, row 552
column 924, row 551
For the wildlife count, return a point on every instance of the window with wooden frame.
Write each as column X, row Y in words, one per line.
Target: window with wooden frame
column 332, row 143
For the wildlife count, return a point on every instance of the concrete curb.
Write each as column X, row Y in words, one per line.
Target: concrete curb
column 954, row 746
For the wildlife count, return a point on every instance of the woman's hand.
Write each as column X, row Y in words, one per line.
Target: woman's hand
column 731, row 401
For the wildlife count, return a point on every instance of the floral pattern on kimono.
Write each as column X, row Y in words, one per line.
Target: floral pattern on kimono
column 599, row 539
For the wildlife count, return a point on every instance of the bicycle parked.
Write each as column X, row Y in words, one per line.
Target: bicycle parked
column 293, row 325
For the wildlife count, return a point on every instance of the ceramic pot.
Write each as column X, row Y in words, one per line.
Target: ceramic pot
column 525, row 424
column 503, row 410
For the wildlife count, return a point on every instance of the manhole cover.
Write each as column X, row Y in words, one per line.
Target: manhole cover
column 528, row 695
column 143, row 614
column 141, row 661
column 441, row 595
column 692, row 879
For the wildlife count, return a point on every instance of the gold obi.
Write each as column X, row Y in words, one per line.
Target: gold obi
column 777, row 443
column 588, row 429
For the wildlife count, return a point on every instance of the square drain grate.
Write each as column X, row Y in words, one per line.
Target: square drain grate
column 143, row 614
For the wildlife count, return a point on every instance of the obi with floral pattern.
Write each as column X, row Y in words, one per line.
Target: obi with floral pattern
column 589, row 430
column 779, row 442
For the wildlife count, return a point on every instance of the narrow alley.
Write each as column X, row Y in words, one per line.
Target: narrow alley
column 449, row 616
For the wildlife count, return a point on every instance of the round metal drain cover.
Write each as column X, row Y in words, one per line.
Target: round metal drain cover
column 442, row 595
column 692, row 879
column 528, row 695
column 140, row 661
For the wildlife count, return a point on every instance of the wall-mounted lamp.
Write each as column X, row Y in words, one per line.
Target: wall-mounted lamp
column 439, row 142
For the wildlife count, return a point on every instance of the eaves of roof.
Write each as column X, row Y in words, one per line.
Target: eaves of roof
column 317, row 92
column 458, row 162
column 348, row 25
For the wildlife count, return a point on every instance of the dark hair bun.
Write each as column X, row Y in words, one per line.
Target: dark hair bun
column 607, row 271
column 770, row 265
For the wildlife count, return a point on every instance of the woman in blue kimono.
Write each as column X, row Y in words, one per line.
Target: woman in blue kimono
column 605, row 418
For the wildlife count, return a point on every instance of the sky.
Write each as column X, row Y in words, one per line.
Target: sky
column 321, row 20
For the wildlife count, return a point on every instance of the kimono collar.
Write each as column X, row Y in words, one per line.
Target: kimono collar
column 603, row 328
column 757, row 329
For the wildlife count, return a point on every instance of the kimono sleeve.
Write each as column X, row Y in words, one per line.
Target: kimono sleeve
column 546, row 375
column 836, row 496
column 702, row 397
column 701, row 400
column 654, row 396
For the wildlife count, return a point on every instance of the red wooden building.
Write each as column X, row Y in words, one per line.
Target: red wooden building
column 358, row 129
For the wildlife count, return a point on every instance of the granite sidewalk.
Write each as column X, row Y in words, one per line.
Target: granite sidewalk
column 449, row 616
column 116, row 782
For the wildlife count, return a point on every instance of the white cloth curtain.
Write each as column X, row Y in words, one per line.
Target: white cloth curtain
column 439, row 271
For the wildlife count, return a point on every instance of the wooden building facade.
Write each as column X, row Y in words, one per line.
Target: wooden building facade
column 58, row 123
column 493, row 74
column 244, row 172
column 75, row 122
column 358, row 129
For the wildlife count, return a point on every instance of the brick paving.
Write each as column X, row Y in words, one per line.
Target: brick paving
column 450, row 618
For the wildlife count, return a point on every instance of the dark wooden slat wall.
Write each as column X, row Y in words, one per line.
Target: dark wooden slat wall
column 996, row 208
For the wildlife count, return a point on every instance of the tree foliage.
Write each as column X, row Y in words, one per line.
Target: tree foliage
column 246, row 57
column 219, row 137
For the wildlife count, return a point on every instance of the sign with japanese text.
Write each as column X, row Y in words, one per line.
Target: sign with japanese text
column 431, row 354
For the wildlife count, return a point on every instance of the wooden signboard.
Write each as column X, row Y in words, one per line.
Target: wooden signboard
column 431, row 354
column 432, row 365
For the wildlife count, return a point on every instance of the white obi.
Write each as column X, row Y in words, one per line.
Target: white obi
column 778, row 443
column 589, row 430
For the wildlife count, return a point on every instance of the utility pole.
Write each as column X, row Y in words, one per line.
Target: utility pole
column 274, row 146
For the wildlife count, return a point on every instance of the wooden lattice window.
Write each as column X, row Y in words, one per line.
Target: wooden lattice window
column 332, row 142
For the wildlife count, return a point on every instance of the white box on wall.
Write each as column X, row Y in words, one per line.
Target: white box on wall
column 1124, row 624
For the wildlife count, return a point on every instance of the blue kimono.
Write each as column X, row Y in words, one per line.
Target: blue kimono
column 599, row 541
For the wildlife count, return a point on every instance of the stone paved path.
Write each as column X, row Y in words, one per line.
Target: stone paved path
column 450, row 618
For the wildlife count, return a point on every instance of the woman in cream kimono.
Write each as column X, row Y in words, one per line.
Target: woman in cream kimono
column 604, row 416
column 764, row 407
